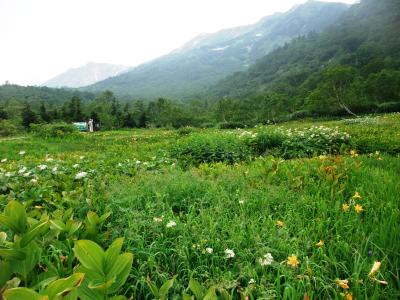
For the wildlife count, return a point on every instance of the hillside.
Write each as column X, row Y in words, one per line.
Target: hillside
column 360, row 54
column 85, row 75
column 201, row 62
column 35, row 95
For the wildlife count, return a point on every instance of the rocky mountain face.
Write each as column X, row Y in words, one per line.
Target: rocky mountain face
column 85, row 75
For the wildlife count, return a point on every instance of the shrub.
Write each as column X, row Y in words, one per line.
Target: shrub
column 232, row 125
column 265, row 142
column 7, row 128
column 54, row 130
column 185, row 130
column 389, row 107
column 202, row 148
column 313, row 141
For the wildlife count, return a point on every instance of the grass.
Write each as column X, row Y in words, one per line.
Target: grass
column 256, row 206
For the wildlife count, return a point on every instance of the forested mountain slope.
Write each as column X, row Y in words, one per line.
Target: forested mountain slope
column 187, row 71
column 352, row 66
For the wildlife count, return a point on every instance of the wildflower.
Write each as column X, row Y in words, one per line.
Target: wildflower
column 266, row 260
column 75, row 166
column 344, row 284
column 348, row 296
column 42, row 167
column 322, row 157
column 229, row 253
column 375, row 268
column 81, row 157
column 293, row 261
column 353, row 153
column 49, row 159
column 26, row 174
column 55, row 169
column 22, row 152
column 171, row 224
column 358, row 208
column 34, row 180
column 22, row 170
column 209, row 250
column 345, row 207
column 8, row 174
column 252, row 281
column 241, row 201
column 357, row 195
column 157, row 220
column 320, row 243
column 279, row 223
column 80, row 175
column 4, row 160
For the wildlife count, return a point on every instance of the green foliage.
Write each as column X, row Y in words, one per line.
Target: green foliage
column 58, row 130
column 105, row 271
column 181, row 221
column 204, row 148
column 7, row 128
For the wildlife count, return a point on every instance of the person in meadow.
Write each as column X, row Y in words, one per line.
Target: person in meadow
column 90, row 125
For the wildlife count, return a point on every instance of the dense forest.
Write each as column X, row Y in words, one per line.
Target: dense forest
column 349, row 69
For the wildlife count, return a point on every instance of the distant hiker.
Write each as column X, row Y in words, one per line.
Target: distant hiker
column 90, row 125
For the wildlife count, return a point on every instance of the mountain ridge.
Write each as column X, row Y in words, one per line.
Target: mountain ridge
column 85, row 75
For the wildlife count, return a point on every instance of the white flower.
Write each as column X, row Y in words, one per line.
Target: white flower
column 48, row 159
column 171, row 224
column 81, row 157
column 209, row 250
column 229, row 253
column 241, row 201
column 34, row 180
column 4, row 160
column 252, row 281
column 42, row 167
column 26, row 174
column 75, row 166
column 8, row 174
column 22, row 152
column 80, row 175
column 22, row 170
column 55, row 169
column 266, row 260
column 157, row 220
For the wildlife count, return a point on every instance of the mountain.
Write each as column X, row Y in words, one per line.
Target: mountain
column 85, row 75
column 352, row 66
column 187, row 71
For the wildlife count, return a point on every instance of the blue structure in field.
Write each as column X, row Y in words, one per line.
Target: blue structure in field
column 81, row 126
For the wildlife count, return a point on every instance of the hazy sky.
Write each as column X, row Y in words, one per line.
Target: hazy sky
column 43, row 38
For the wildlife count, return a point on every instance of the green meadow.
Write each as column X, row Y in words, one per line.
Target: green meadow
column 299, row 210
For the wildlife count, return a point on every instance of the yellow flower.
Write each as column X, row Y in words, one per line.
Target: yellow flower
column 349, row 296
column 375, row 268
column 320, row 243
column 322, row 157
column 345, row 207
column 279, row 223
column 293, row 261
column 353, row 153
column 357, row 195
column 358, row 208
column 344, row 284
